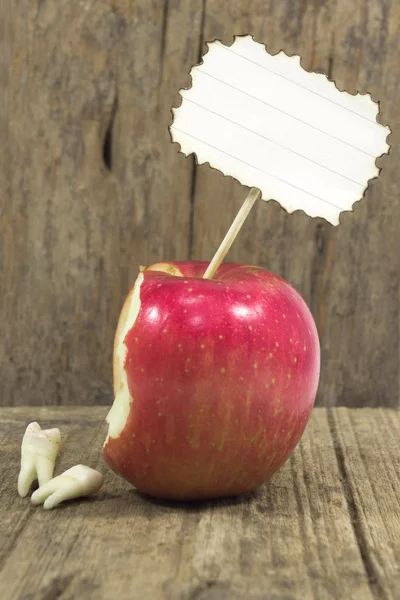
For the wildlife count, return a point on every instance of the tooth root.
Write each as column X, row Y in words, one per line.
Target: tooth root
column 45, row 469
column 26, row 477
column 74, row 483
column 39, row 450
column 40, row 495
column 55, row 499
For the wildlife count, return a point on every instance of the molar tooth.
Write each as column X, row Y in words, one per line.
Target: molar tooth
column 39, row 450
column 74, row 483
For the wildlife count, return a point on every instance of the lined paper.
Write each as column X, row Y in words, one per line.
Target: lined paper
column 270, row 124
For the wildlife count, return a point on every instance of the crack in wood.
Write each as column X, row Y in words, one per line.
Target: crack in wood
column 194, row 168
column 377, row 590
column 164, row 28
column 108, row 137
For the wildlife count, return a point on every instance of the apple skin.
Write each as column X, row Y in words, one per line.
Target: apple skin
column 223, row 376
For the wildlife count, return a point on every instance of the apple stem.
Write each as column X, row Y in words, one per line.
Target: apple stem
column 234, row 229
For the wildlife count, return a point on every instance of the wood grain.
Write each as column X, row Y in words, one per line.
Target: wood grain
column 60, row 216
column 367, row 444
column 94, row 191
column 326, row 526
column 91, row 186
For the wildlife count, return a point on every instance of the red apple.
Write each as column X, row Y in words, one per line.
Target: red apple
column 214, row 380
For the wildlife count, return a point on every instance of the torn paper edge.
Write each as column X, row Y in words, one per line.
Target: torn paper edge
column 320, row 73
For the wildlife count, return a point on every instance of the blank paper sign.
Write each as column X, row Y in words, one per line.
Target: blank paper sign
column 267, row 122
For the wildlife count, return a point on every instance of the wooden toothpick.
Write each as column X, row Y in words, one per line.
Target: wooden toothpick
column 227, row 242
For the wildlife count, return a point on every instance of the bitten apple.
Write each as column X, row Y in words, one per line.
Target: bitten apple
column 214, row 380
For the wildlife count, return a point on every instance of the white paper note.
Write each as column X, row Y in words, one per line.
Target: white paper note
column 270, row 124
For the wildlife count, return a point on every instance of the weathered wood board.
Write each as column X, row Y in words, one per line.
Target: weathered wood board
column 91, row 187
column 326, row 526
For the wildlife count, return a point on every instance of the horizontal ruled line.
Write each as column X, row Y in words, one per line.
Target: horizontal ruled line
column 296, row 83
column 257, row 168
column 274, row 142
column 283, row 112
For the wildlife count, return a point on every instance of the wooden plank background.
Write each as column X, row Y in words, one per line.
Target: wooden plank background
column 91, row 186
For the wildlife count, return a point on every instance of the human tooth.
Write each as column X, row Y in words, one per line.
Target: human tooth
column 39, row 450
column 74, row 483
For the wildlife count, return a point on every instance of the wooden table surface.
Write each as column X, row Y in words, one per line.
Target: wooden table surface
column 326, row 526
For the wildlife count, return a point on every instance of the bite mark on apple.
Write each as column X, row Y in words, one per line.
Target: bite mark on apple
column 165, row 268
column 119, row 411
